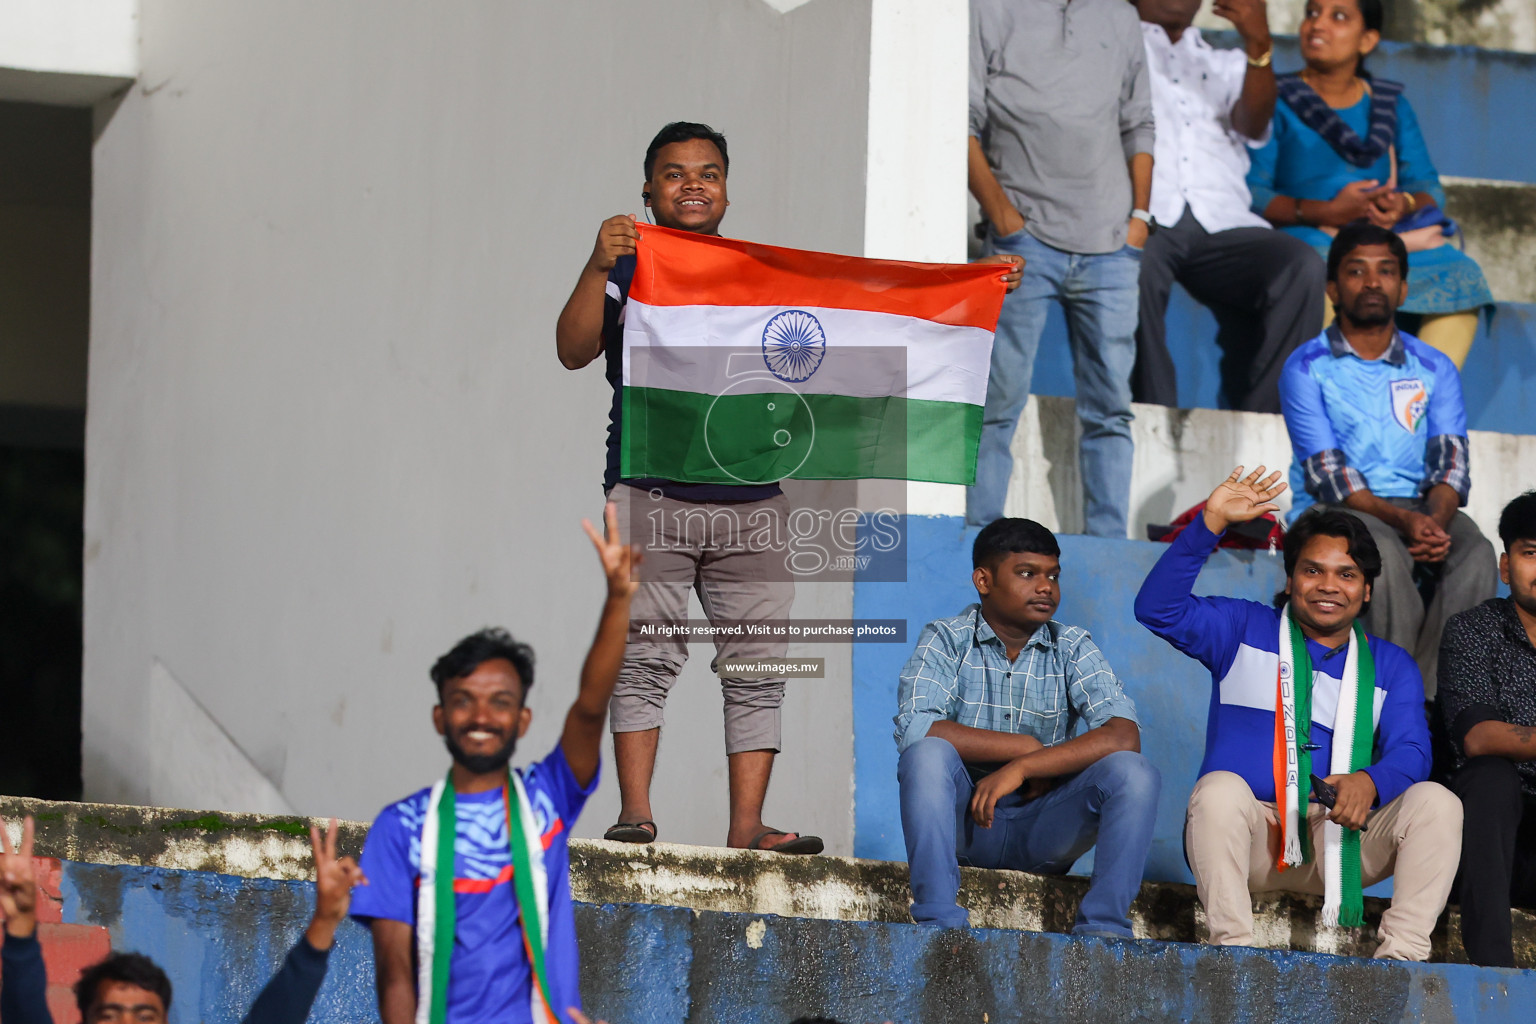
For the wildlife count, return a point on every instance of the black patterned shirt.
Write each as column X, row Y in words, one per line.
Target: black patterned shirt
column 1487, row 674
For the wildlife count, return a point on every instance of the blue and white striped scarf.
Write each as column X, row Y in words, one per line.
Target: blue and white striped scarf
column 1316, row 114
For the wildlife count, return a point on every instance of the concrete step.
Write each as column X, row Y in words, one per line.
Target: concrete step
column 847, row 889
column 1182, row 453
column 694, row 934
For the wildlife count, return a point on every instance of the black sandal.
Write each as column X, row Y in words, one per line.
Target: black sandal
column 800, row 844
column 631, row 832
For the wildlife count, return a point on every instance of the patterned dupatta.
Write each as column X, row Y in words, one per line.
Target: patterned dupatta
column 1316, row 114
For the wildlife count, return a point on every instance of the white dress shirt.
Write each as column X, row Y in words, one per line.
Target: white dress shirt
column 1200, row 160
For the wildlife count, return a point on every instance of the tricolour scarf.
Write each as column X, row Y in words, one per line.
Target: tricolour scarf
column 1316, row 114
column 436, row 909
column 1354, row 729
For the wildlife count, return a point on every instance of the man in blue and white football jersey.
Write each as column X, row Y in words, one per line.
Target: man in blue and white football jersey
column 1378, row 425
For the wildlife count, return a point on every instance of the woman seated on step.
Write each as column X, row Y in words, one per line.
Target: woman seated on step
column 1347, row 146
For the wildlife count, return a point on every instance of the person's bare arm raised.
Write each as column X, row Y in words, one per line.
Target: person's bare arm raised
column 579, row 331
column 583, row 736
column 1256, row 104
column 1238, row 498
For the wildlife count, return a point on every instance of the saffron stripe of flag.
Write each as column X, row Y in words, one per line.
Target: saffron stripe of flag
column 749, row 364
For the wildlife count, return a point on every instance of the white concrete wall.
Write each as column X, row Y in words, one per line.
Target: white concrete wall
column 66, row 51
column 328, row 434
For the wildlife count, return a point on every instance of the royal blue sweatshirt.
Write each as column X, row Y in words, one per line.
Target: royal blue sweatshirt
column 1239, row 642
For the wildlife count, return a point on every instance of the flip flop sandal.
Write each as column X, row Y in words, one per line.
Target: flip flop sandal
column 800, row 844
column 632, row 832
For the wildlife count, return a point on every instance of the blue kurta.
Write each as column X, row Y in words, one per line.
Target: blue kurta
column 1298, row 162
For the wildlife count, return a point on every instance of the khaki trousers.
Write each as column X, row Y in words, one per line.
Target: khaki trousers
column 736, row 585
column 1231, row 840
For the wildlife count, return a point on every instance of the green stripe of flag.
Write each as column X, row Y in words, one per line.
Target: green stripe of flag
column 737, row 438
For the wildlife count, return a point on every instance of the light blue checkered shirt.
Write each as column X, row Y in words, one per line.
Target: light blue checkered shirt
column 960, row 672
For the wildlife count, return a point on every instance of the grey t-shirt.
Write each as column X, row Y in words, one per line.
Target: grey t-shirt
column 1061, row 100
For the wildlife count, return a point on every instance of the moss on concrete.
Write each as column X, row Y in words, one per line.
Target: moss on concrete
column 706, row 878
column 246, row 845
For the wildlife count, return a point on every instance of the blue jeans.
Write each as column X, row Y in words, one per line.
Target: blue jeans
column 1100, row 296
column 1112, row 802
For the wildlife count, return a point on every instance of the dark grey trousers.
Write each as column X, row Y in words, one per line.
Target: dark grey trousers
column 1468, row 577
column 1266, row 289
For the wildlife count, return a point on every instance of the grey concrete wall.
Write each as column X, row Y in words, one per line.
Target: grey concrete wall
column 328, row 434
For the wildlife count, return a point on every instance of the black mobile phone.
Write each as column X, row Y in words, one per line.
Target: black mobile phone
column 1326, row 794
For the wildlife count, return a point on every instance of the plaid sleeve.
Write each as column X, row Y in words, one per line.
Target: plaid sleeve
column 929, row 689
column 1093, row 690
column 1329, row 478
column 1447, row 460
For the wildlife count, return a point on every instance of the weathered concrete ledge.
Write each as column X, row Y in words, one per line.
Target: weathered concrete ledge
column 705, row 878
column 1498, row 219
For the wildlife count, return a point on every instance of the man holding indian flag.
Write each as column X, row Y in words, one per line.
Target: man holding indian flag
column 735, row 366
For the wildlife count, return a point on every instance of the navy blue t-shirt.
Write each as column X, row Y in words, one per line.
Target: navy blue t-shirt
column 619, row 279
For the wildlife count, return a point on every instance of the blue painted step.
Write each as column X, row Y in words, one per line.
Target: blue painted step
column 645, row 964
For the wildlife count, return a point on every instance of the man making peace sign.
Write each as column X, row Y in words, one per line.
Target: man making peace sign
column 471, row 874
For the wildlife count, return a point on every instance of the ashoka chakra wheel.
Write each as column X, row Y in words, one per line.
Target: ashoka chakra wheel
column 793, row 345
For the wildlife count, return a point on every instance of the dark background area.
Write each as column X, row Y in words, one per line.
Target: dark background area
column 45, row 267
column 42, row 500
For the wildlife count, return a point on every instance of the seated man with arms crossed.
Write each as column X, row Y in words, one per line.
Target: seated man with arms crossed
column 1298, row 690
column 1378, row 425
column 469, row 894
column 1487, row 701
column 991, row 774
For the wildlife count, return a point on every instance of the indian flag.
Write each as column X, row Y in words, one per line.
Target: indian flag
column 746, row 364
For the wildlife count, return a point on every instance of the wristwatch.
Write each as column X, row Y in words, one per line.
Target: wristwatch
column 1145, row 218
column 1262, row 61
